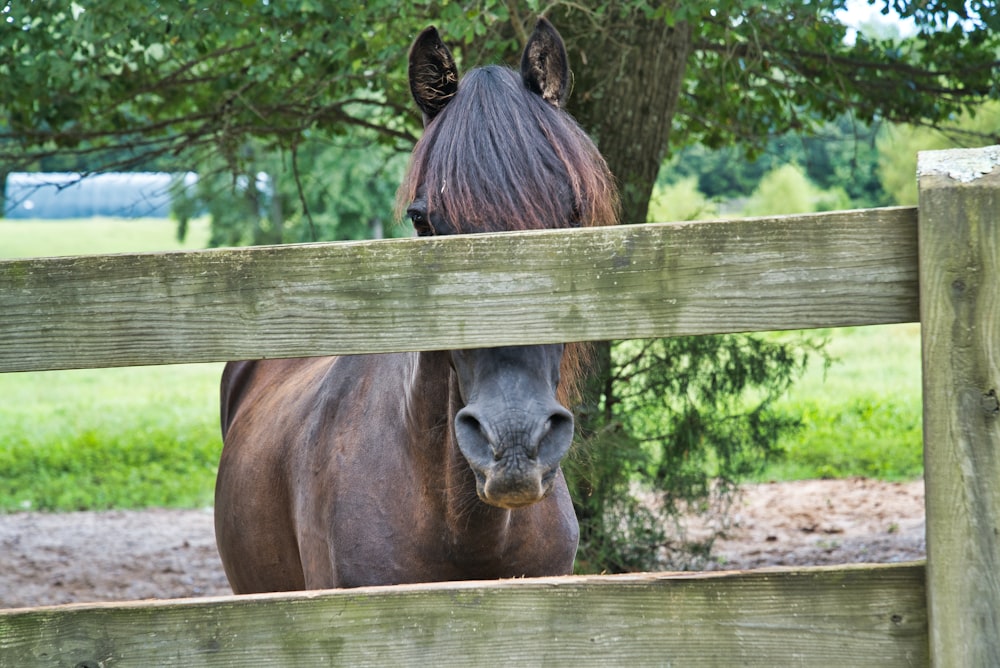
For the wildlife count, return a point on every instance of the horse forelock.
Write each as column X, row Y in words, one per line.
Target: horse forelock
column 500, row 158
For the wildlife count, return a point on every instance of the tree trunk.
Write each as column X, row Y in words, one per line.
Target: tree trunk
column 628, row 72
column 629, row 69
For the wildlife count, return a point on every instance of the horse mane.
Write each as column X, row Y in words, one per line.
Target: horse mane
column 498, row 158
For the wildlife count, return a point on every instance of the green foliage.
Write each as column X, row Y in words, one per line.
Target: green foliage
column 170, row 78
column 126, row 82
column 109, row 438
column 702, row 406
column 840, row 154
column 347, row 193
column 679, row 201
column 898, row 146
column 789, row 67
column 864, row 434
column 861, row 414
column 350, row 190
column 788, row 190
column 618, row 531
column 135, row 465
column 681, row 421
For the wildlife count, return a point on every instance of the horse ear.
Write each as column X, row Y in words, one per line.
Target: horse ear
column 433, row 73
column 544, row 64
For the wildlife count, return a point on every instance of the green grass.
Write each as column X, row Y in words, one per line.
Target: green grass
column 109, row 438
column 862, row 415
column 106, row 438
column 36, row 238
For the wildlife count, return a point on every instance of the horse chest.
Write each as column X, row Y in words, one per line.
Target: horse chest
column 404, row 558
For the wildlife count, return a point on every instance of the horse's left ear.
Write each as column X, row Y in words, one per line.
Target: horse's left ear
column 544, row 64
column 433, row 73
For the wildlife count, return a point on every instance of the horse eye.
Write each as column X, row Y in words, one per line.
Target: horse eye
column 420, row 222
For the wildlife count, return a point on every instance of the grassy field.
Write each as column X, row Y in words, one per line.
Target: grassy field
column 109, row 438
column 106, row 438
column 862, row 415
column 149, row 436
column 35, row 238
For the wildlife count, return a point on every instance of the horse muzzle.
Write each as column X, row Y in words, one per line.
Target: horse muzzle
column 512, row 491
column 514, row 456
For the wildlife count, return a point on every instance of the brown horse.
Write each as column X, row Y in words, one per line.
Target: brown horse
column 384, row 469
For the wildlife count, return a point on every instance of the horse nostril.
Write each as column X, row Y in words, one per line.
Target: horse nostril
column 555, row 434
column 557, row 421
column 470, row 425
column 551, row 424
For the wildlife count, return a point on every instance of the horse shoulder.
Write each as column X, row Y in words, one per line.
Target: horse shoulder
column 262, row 409
column 354, row 498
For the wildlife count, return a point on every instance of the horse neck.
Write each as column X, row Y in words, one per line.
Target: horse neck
column 433, row 401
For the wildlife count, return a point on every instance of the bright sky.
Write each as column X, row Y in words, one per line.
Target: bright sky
column 860, row 12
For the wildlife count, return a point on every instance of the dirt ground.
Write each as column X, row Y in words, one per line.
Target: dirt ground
column 48, row 559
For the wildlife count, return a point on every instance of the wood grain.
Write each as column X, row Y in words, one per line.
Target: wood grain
column 960, row 315
column 636, row 281
column 851, row 616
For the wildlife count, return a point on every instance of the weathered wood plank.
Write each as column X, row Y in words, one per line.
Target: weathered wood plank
column 960, row 314
column 852, row 616
column 838, row 269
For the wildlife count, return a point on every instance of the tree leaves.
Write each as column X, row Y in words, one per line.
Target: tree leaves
column 767, row 69
column 168, row 79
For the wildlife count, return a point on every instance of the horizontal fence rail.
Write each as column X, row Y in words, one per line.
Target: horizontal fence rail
column 853, row 616
column 632, row 281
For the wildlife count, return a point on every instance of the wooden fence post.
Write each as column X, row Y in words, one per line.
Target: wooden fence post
column 959, row 230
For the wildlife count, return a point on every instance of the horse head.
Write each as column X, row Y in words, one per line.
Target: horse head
column 499, row 153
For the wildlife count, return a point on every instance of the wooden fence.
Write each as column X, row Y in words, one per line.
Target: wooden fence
column 939, row 264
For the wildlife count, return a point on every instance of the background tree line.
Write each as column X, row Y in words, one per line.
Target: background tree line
column 296, row 115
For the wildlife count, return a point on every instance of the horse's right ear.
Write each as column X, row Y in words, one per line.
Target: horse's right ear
column 433, row 73
column 544, row 64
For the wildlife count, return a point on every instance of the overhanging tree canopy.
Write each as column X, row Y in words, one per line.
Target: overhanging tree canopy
column 117, row 83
